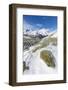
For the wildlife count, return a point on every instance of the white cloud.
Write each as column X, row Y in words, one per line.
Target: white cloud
column 27, row 26
column 39, row 25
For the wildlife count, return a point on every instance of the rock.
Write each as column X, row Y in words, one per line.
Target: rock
column 48, row 58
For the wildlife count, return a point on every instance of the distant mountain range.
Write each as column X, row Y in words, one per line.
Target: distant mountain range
column 42, row 32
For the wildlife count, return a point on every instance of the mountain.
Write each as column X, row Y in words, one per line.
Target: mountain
column 54, row 35
column 42, row 31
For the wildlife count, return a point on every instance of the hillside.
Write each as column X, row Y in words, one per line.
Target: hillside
column 36, row 62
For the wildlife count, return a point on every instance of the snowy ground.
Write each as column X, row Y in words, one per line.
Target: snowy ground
column 36, row 64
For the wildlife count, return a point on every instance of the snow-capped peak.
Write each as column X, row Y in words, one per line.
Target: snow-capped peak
column 42, row 31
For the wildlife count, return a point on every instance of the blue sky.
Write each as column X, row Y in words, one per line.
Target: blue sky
column 38, row 22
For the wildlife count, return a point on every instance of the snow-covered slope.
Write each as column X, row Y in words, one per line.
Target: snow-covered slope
column 54, row 35
column 35, row 63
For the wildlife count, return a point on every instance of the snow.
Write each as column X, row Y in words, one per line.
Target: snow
column 33, row 60
column 36, row 64
column 55, row 35
column 42, row 31
column 27, row 37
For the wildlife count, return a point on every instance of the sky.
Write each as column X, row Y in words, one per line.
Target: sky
column 34, row 22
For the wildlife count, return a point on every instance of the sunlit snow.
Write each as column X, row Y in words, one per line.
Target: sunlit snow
column 36, row 64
